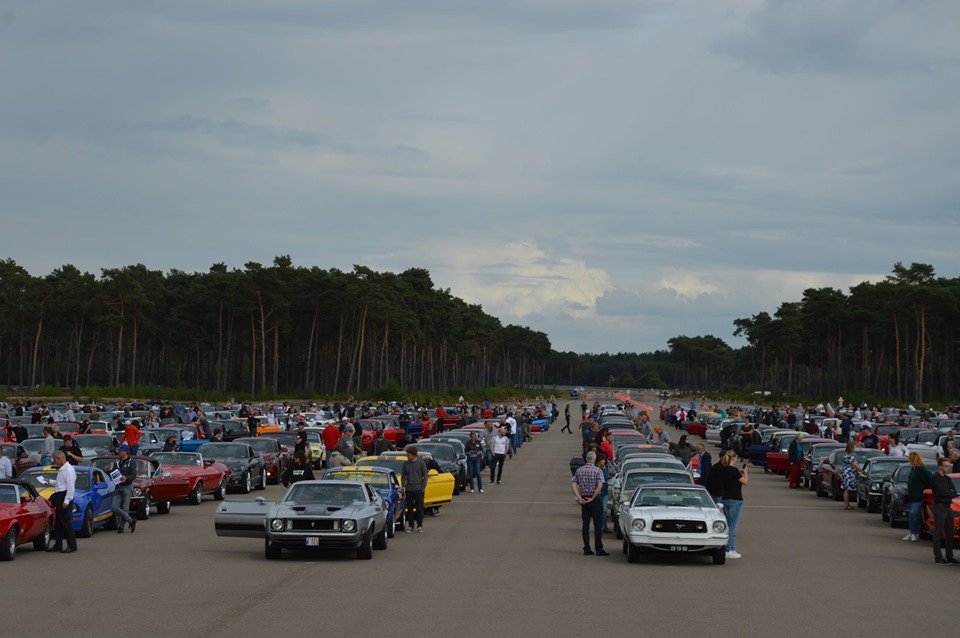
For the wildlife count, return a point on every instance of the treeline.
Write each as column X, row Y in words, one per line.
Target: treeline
column 897, row 339
column 258, row 330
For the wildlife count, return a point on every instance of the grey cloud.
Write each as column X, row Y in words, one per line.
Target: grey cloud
column 240, row 133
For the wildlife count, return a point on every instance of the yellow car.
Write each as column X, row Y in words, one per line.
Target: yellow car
column 439, row 489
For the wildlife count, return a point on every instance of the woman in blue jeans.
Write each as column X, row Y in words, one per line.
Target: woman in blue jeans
column 732, row 480
column 474, row 451
column 919, row 480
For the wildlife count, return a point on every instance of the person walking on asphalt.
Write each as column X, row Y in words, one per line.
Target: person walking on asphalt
column 62, row 501
column 795, row 459
column 566, row 416
column 489, row 434
column 587, row 484
column 124, row 492
column 943, row 494
column 414, row 475
column 474, row 453
column 501, row 447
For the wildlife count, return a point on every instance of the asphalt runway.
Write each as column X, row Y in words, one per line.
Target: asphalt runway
column 504, row 563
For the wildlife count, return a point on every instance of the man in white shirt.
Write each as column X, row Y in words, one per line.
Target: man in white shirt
column 512, row 429
column 62, row 501
column 501, row 446
column 6, row 468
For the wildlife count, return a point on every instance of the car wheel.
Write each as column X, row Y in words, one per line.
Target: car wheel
column 860, row 502
column 820, row 491
column 836, row 492
column 892, row 517
column 380, row 540
column 871, row 505
column 633, row 553
column 626, row 543
column 143, row 512
column 197, row 494
column 263, row 479
column 43, row 541
column 221, row 492
column 271, row 551
column 365, row 551
column 8, row 548
column 163, row 507
column 616, row 529
column 86, row 528
column 247, row 484
column 720, row 556
column 391, row 527
column 456, row 487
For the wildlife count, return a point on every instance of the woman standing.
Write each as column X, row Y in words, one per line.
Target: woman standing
column 683, row 450
column 848, row 474
column 731, row 480
column 919, row 480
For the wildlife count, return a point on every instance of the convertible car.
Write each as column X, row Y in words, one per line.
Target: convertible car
column 93, row 495
column 673, row 519
column 246, row 465
column 24, row 518
column 324, row 514
column 383, row 480
column 20, row 458
column 187, row 476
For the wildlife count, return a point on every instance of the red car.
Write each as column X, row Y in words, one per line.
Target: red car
column 927, row 513
column 24, row 518
column 20, row 459
column 186, row 476
column 276, row 457
column 368, row 430
column 777, row 461
column 142, row 498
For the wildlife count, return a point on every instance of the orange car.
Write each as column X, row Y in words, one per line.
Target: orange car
column 927, row 513
column 262, row 425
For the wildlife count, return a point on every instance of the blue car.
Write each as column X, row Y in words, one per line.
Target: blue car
column 384, row 481
column 93, row 495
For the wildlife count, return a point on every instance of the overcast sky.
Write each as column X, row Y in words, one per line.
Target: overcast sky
column 611, row 172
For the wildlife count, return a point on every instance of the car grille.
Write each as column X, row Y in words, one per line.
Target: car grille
column 682, row 527
column 316, row 525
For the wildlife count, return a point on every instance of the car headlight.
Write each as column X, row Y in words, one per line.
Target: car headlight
column 349, row 526
column 875, row 487
column 719, row 526
column 137, row 491
column 277, row 524
column 639, row 525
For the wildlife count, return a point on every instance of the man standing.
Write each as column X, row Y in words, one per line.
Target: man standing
column 869, row 439
column 514, row 431
column 474, row 452
column 489, row 434
column 6, row 468
column 121, row 502
column 330, row 436
column 252, row 424
column 414, row 475
column 566, row 416
column 131, row 436
column 49, row 447
column 587, row 484
column 72, row 451
column 795, row 459
column 703, row 461
column 203, row 426
column 62, row 501
column 943, row 494
column 300, row 439
column 845, row 427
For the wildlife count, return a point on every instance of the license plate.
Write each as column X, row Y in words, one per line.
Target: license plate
column 313, row 541
column 678, row 548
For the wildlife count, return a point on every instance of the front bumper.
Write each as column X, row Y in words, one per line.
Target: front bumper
column 326, row 540
column 669, row 542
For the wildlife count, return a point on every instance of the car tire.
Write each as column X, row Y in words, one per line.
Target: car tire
column 86, row 528
column 633, row 553
column 884, row 516
column 271, row 551
column 837, row 492
column 892, row 517
column 820, row 491
column 380, row 540
column 196, row 495
column 626, row 543
column 163, row 507
column 365, row 551
column 143, row 512
column 871, row 506
column 616, row 529
column 720, row 556
column 391, row 527
column 456, row 487
column 247, row 484
column 221, row 492
column 862, row 504
column 263, row 479
column 40, row 543
column 8, row 547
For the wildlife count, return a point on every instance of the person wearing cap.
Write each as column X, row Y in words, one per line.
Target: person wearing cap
column 72, row 451
column 170, row 444
column 868, row 439
column 121, row 502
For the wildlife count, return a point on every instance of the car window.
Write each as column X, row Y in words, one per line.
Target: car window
column 9, row 494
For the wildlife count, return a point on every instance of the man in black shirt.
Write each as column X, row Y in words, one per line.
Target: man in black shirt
column 943, row 494
column 300, row 440
column 121, row 501
column 252, row 425
column 869, row 439
column 72, row 451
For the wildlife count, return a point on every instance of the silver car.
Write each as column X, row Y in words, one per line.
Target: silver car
column 326, row 514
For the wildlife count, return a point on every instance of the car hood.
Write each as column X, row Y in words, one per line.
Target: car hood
column 320, row 510
column 677, row 513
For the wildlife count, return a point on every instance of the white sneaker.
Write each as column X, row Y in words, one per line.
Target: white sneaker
column 908, row 537
column 481, row 491
column 420, row 530
column 471, row 490
column 733, row 555
column 914, row 537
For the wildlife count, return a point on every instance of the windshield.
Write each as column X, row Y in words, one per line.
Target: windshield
column 884, row 467
column 325, row 493
column 636, row 479
column 863, row 455
column 97, row 441
column 33, row 445
column 391, row 464
column 83, row 479
column 638, row 463
column 439, row 452
column 822, row 452
column 8, row 494
column 262, row 445
column 178, row 458
column 655, row 496
column 376, row 479
column 224, row 451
